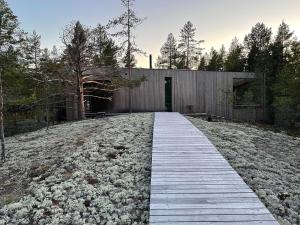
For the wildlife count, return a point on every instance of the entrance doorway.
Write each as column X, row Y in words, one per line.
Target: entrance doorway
column 168, row 94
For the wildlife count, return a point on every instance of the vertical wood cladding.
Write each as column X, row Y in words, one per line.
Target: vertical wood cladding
column 192, row 91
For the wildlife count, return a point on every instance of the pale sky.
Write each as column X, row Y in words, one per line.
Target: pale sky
column 217, row 21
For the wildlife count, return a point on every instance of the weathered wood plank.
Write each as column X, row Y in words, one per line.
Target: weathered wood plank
column 230, row 175
column 192, row 183
column 208, row 211
column 218, row 205
column 218, row 223
column 203, row 195
column 202, row 191
column 198, row 186
column 212, row 218
column 197, row 173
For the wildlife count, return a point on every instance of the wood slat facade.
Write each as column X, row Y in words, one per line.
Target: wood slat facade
column 192, row 92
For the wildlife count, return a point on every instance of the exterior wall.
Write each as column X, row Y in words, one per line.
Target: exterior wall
column 192, row 91
column 149, row 97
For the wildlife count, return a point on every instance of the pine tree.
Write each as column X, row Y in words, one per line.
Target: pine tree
column 125, row 61
column 257, row 44
column 212, row 64
column 235, row 60
column 281, row 48
column 202, row 65
column 32, row 50
column 216, row 59
column 103, row 48
column 282, row 55
column 169, row 54
column 110, row 54
column 287, row 88
column 128, row 21
column 8, row 30
column 222, row 57
column 189, row 47
column 76, row 41
column 80, row 55
column 52, row 83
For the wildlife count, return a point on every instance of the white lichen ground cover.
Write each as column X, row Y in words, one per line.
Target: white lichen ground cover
column 89, row 172
column 269, row 163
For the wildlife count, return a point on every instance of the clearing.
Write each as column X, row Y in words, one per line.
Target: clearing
column 98, row 171
column 88, row 172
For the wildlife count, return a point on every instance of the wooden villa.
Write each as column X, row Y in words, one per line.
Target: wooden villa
column 184, row 91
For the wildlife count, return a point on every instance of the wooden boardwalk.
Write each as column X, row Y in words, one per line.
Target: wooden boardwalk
column 192, row 184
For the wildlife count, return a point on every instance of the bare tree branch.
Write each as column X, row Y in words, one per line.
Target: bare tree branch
column 95, row 96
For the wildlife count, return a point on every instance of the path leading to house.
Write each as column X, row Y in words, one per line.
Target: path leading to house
column 191, row 182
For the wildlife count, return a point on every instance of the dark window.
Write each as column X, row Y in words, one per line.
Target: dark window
column 246, row 92
column 168, row 94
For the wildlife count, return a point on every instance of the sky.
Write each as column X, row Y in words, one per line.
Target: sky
column 216, row 21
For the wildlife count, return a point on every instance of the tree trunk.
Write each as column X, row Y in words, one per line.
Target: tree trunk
column 80, row 95
column 130, row 90
column 170, row 58
column 188, row 54
column 47, row 115
column 1, row 121
column 264, row 96
column 81, row 102
column 129, row 57
column 47, row 104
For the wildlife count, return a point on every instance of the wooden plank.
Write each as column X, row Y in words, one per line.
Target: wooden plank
column 191, row 182
column 218, row 223
column 198, row 187
column 212, row 174
column 208, row 211
column 218, row 205
column 197, row 175
column 230, row 175
column 203, row 195
column 202, row 191
column 193, row 179
column 212, row 218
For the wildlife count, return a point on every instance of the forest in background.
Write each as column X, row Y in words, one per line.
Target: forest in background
column 275, row 59
column 36, row 82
